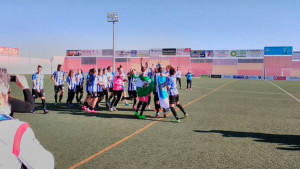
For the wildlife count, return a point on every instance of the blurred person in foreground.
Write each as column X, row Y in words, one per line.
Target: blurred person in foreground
column 18, row 145
column 16, row 104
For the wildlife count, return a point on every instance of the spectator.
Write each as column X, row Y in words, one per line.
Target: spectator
column 18, row 145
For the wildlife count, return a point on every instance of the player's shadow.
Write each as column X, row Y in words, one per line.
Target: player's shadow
column 292, row 141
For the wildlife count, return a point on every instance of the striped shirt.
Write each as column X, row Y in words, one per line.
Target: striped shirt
column 38, row 79
column 59, row 77
column 93, row 84
column 99, row 87
column 132, row 83
column 173, row 86
column 72, row 83
column 111, row 78
column 79, row 79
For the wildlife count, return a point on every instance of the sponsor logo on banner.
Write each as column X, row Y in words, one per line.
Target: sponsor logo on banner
column 255, row 77
column 238, row 53
column 255, row 53
column 279, row 78
column 292, row 78
column 183, row 51
column 198, row 53
column 169, row 51
column 133, row 53
column 222, row 53
column 209, row 53
column 227, row 77
column 155, row 52
column 279, row 51
column 239, row 77
column 215, row 76
column 270, row 77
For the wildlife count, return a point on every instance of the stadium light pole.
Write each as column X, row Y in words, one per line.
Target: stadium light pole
column 113, row 17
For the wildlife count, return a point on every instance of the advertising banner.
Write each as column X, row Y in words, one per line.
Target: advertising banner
column 238, row 53
column 123, row 53
column 254, row 77
column 279, row 51
column 209, row 53
column 292, row 78
column 279, row 78
column 133, row 53
column 198, row 53
column 4, row 51
column 155, row 52
column 222, row 53
column 183, row 51
column 169, row 51
column 215, row 76
column 238, row 77
column 227, row 77
column 296, row 55
column 143, row 53
column 251, row 53
column 73, row 53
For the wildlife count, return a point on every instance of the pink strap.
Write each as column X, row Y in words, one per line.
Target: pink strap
column 18, row 138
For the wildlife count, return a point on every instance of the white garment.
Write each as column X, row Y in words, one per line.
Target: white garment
column 178, row 74
column 32, row 153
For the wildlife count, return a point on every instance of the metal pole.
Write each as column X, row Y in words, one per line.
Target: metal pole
column 114, row 61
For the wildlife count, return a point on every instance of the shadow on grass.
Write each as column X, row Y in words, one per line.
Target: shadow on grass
column 292, row 141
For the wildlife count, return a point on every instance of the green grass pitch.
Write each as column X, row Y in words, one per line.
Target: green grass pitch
column 246, row 124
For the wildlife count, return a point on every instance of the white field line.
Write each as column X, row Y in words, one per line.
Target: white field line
column 241, row 91
column 284, row 91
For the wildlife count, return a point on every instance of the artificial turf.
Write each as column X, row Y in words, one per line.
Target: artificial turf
column 245, row 124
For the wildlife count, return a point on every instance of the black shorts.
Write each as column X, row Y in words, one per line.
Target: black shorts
column 174, row 99
column 79, row 89
column 111, row 89
column 59, row 88
column 156, row 98
column 132, row 94
column 100, row 94
column 105, row 92
column 35, row 94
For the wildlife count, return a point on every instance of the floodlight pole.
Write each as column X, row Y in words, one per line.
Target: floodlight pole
column 114, row 39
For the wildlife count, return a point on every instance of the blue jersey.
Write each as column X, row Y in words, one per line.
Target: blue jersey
column 72, row 83
column 189, row 76
column 99, row 87
column 173, row 86
column 149, row 73
column 132, row 83
column 38, row 79
column 93, row 81
column 59, row 77
column 79, row 79
column 87, row 84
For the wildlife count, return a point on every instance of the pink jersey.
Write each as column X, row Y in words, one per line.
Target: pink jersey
column 118, row 83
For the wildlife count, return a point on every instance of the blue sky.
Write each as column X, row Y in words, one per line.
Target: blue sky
column 48, row 28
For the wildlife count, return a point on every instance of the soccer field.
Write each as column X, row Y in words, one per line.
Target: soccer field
column 231, row 124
